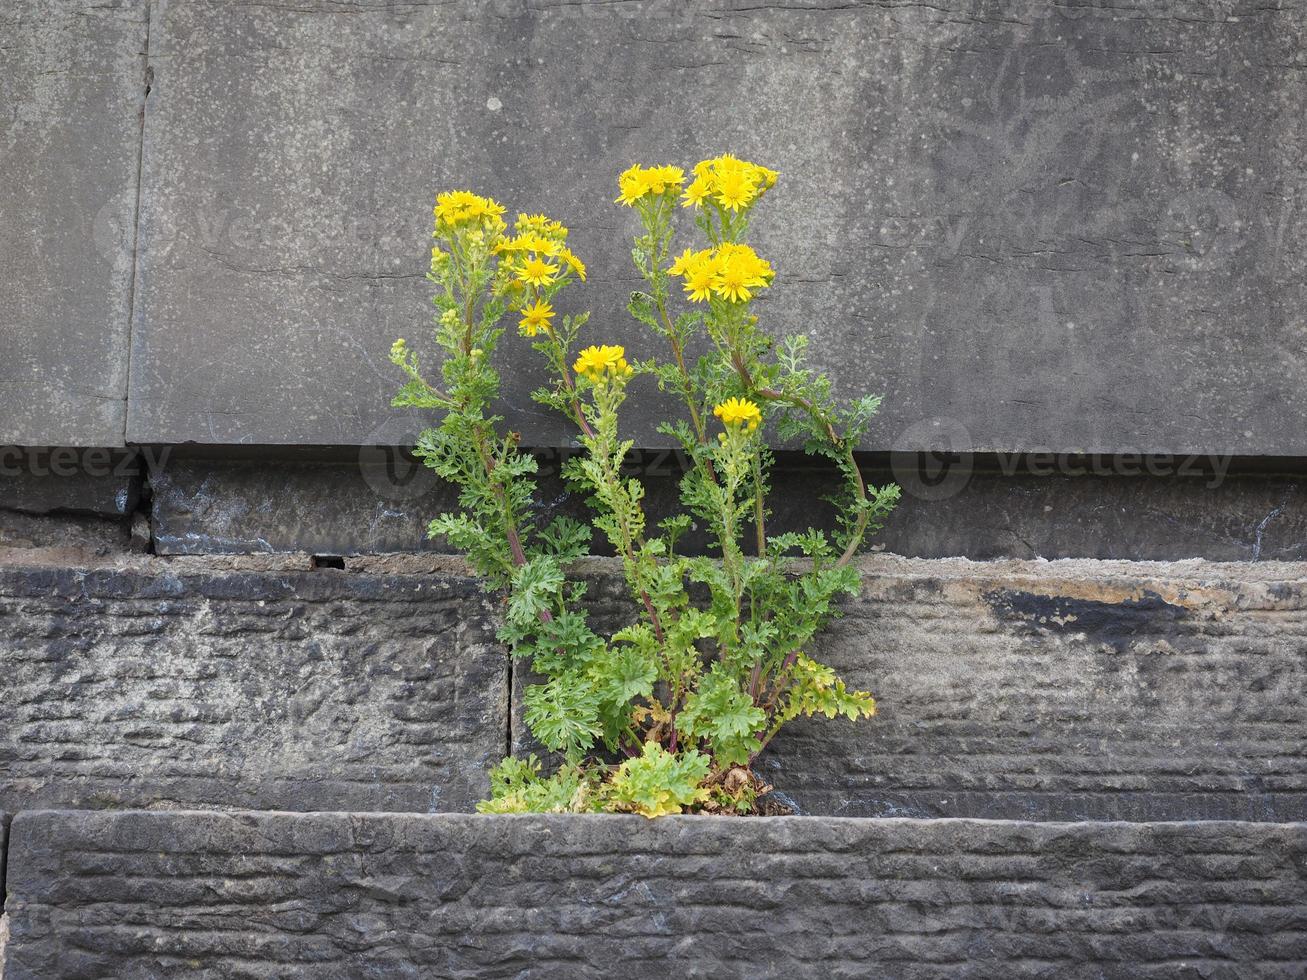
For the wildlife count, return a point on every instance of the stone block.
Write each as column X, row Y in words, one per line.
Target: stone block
column 377, row 500
column 178, row 684
column 45, row 480
column 72, row 87
column 1065, row 690
column 1028, row 225
column 154, row 895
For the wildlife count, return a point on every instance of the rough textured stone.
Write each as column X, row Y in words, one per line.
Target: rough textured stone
column 72, row 84
column 333, row 895
column 175, row 684
column 1070, row 690
column 1071, row 225
column 1034, row 690
column 379, row 501
column 1066, row 690
column 84, row 535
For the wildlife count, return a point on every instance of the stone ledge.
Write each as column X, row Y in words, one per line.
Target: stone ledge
column 391, row 895
column 1064, row 690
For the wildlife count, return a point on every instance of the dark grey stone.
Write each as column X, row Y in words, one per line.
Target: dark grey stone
column 72, row 84
column 1243, row 516
column 1069, row 690
column 154, row 895
column 91, row 481
column 4, row 850
column 319, row 506
column 1029, row 225
column 173, row 684
column 378, row 500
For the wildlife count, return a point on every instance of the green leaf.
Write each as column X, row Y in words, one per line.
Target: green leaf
column 657, row 783
column 724, row 716
column 628, row 674
column 535, row 587
column 566, row 539
column 564, row 714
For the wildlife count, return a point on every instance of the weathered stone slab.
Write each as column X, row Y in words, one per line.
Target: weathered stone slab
column 378, row 500
column 394, row 895
column 1069, row 690
column 75, row 534
column 72, row 85
column 173, row 684
column 1042, row 690
column 1030, row 225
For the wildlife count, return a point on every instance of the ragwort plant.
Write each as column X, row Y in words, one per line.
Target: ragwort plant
column 668, row 713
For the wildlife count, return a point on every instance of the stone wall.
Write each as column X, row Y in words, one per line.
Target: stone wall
column 377, row 500
column 328, row 895
column 1073, row 227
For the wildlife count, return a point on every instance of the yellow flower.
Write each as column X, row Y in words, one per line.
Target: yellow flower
column 697, row 192
column 700, row 277
column 666, row 179
column 536, row 318
column 637, row 181
column 681, row 263
column 573, row 262
column 739, row 412
column 735, row 189
column 455, row 208
column 729, row 181
column 529, row 242
column 739, row 271
column 595, row 362
column 542, row 225
column 765, row 176
column 538, row 243
column 731, row 272
column 535, row 271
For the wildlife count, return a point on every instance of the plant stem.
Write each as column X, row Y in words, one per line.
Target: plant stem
column 859, row 485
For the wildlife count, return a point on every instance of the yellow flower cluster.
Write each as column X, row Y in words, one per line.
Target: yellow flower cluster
column 731, row 272
column 539, row 246
column 637, row 181
column 730, row 182
column 539, row 223
column 739, row 412
column 455, row 208
column 595, row 362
